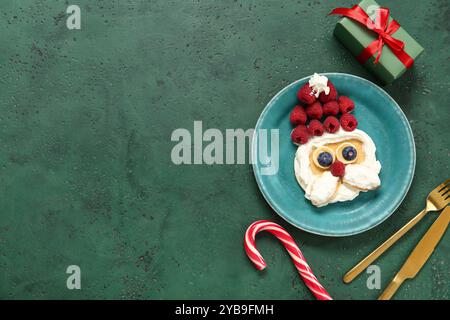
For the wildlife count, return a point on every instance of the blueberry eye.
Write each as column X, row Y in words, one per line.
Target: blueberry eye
column 349, row 153
column 325, row 159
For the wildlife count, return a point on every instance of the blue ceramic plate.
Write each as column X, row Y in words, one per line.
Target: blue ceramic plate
column 379, row 116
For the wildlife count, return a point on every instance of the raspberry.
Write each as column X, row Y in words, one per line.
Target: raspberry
column 332, row 95
column 331, row 108
column 314, row 111
column 298, row 116
column 315, row 128
column 305, row 94
column 337, row 169
column 300, row 135
column 331, row 124
column 346, row 104
column 348, row 122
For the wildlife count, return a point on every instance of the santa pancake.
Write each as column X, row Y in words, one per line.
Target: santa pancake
column 335, row 161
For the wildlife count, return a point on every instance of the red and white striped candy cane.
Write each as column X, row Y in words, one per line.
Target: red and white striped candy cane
column 297, row 257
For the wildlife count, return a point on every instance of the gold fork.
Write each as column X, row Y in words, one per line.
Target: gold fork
column 436, row 201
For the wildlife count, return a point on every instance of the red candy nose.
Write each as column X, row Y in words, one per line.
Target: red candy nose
column 338, row 169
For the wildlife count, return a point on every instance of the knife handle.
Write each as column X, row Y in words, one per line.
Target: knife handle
column 367, row 261
column 391, row 288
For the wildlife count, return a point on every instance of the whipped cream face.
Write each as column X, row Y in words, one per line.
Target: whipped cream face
column 319, row 84
column 320, row 186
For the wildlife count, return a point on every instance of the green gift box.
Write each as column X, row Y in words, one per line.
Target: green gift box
column 356, row 37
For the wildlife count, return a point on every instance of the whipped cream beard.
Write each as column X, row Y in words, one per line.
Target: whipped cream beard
column 320, row 186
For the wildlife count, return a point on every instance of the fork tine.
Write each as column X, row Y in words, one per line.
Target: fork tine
column 442, row 186
column 445, row 192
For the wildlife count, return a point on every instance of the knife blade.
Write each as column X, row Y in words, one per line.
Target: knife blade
column 420, row 254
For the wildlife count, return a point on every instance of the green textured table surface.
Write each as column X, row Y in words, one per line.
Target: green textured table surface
column 86, row 175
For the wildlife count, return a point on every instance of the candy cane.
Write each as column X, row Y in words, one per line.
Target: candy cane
column 297, row 257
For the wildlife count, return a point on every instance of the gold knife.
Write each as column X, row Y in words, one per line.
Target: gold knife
column 419, row 255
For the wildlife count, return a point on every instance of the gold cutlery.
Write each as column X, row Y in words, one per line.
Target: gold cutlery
column 436, row 200
column 419, row 255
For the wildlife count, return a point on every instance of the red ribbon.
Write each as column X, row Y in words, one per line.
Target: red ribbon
column 381, row 27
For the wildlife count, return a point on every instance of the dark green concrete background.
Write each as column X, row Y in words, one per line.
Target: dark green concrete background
column 85, row 123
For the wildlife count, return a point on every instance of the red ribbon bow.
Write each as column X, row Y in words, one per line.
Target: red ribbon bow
column 381, row 27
